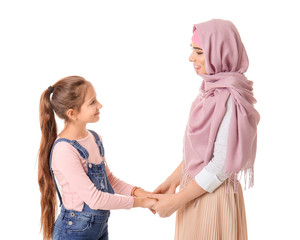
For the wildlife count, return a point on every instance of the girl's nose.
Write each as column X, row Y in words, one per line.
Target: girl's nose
column 99, row 105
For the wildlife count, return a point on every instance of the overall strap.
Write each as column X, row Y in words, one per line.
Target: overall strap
column 82, row 151
column 99, row 143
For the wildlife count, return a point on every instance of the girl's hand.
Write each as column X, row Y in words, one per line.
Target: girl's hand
column 144, row 202
column 139, row 192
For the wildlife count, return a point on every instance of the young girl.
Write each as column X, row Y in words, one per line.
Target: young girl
column 76, row 158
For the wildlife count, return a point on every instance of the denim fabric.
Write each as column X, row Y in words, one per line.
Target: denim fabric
column 88, row 224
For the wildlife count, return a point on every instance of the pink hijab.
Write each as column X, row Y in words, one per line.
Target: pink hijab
column 226, row 61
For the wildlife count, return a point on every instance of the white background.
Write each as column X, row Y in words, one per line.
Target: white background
column 136, row 55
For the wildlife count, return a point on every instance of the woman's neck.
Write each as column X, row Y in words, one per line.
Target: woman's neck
column 73, row 131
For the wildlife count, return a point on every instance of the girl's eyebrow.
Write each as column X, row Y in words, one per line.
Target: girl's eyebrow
column 92, row 99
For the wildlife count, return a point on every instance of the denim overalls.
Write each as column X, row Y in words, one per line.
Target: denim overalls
column 88, row 224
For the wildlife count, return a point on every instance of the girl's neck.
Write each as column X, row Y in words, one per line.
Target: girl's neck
column 73, row 132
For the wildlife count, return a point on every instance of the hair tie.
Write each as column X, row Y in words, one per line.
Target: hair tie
column 50, row 89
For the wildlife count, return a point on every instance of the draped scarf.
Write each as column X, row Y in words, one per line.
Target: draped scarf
column 226, row 61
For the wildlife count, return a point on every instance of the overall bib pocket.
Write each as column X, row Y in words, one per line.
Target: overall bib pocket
column 99, row 179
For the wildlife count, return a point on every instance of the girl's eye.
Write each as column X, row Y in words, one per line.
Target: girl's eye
column 199, row 53
column 93, row 102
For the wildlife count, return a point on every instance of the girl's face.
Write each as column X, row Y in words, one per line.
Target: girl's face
column 197, row 57
column 89, row 111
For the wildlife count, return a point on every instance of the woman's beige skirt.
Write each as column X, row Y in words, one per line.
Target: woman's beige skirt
column 214, row 216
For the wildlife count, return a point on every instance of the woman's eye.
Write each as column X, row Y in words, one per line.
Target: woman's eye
column 93, row 102
column 199, row 53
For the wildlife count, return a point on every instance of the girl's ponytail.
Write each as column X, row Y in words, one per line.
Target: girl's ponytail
column 47, row 188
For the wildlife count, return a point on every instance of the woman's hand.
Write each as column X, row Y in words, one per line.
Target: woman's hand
column 167, row 187
column 166, row 204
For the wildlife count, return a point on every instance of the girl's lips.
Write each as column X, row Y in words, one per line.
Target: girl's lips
column 97, row 113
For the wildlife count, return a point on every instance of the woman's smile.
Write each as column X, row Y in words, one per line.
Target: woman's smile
column 197, row 67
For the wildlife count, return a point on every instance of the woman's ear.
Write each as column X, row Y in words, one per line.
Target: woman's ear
column 72, row 114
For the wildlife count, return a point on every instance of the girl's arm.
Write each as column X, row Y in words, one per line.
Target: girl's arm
column 68, row 170
column 119, row 186
column 124, row 188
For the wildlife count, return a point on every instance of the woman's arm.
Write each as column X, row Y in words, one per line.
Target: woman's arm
column 214, row 174
column 168, row 203
column 209, row 179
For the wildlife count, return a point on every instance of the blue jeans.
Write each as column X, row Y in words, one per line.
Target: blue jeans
column 73, row 225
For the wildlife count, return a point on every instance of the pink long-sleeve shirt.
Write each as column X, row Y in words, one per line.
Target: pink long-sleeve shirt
column 70, row 170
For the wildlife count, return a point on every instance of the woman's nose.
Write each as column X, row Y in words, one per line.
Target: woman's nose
column 192, row 57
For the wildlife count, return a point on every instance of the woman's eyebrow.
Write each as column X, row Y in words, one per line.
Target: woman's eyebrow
column 196, row 47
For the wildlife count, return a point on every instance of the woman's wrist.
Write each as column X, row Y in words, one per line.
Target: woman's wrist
column 174, row 178
column 192, row 191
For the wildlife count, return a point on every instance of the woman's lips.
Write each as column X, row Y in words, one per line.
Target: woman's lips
column 97, row 113
column 197, row 67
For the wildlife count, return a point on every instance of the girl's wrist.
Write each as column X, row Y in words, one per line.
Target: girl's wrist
column 137, row 202
column 138, row 192
column 133, row 191
column 140, row 202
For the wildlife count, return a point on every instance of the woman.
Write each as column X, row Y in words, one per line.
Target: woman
column 219, row 141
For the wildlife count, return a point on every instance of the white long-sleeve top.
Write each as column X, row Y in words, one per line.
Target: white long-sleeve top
column 213, row 174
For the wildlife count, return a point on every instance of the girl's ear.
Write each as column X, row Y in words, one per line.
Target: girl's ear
column 72, row 114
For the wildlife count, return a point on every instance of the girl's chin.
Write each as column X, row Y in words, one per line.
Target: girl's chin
column 96, row 119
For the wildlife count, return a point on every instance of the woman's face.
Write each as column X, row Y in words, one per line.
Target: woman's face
column 198, row 59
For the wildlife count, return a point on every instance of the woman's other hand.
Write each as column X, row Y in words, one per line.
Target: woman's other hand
column 166, row 204
column 167, row 187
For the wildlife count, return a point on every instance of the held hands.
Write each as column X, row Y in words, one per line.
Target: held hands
column 166, row 204
column 162, row 200
column 141, row 199
column 166, row 201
